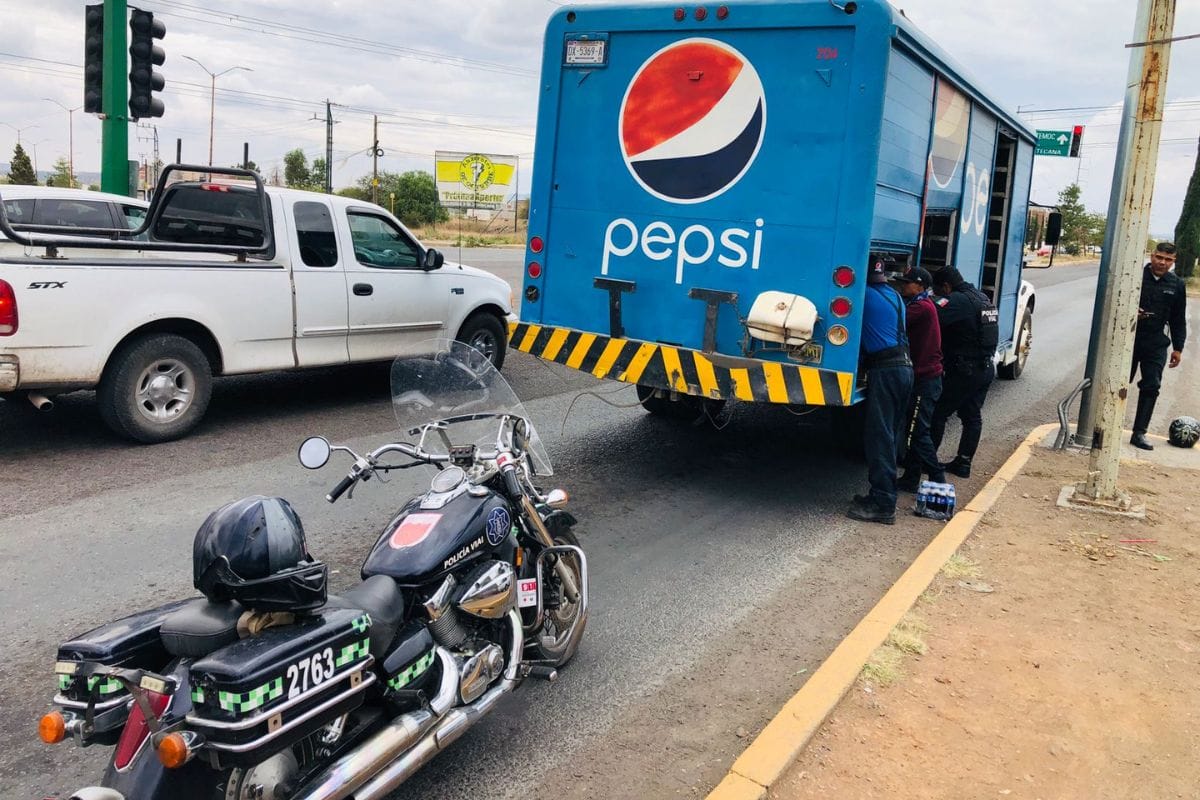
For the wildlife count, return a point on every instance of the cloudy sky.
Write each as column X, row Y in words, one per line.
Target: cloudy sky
column 461, row 75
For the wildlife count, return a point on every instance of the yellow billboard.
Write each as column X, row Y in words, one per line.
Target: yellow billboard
column 474, row 180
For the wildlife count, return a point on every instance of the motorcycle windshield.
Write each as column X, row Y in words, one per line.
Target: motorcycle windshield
column 456, row 386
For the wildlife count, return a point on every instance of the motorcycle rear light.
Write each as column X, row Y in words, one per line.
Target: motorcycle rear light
column 680, row 15
column 52, row 728
column 137, row 730
column 8, row 309
column 841, row 307
column 173, row 751
column 838, row 335
column 701, row 14
column 535, row 269
column 843, row 277
column 536, row 244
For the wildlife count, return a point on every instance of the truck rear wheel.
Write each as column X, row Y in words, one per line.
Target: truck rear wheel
column 155, row 388
column 485, row 332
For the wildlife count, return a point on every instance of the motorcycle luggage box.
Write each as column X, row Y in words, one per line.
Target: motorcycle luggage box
column 131, row 642
column 254, row 697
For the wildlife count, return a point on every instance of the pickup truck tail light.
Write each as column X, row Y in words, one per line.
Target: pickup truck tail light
column 8, row 309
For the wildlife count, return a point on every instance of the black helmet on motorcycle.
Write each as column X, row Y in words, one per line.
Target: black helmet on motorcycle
column 1184, row 432
column 252, row 550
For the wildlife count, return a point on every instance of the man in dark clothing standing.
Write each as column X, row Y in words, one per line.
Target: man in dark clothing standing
column 889, row 374
column 970, row 334
column 1162, row 306
column 925, row 347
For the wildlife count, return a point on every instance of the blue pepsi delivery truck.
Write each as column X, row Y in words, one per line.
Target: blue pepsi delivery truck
column 710, row 183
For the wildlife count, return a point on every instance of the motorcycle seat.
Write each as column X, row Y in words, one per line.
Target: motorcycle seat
column 380, row 597
column 200, row 627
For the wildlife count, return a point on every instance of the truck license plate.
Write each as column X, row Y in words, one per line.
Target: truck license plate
column 586, row 51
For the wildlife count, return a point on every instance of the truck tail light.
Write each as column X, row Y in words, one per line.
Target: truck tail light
column 841, row 307
column 701, row 14
column 680, row 15
column 843, row 277
column 535, row 269
column 8, row 309
column 536, row 245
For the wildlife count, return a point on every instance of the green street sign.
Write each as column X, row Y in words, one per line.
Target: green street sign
column 1053, row 143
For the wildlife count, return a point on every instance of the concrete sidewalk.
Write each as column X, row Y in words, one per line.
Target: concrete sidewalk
column 1052, row 655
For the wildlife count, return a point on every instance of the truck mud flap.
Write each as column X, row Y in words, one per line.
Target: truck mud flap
column 679, row 369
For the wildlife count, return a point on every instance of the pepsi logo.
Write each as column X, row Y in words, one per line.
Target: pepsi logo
column 692, row 120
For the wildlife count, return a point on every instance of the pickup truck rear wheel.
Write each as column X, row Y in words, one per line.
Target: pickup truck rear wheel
column 1024, row 344
column 155, row 388
column 485, row 332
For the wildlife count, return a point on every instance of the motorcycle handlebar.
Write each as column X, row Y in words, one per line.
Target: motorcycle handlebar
column 341, row 488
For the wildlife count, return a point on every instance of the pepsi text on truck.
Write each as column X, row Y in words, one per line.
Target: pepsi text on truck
column 710, row 184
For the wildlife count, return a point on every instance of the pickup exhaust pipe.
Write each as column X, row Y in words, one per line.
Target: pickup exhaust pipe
column 40, row 401
column 391, row 756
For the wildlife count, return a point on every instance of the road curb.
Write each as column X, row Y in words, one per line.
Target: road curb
column 786, row 736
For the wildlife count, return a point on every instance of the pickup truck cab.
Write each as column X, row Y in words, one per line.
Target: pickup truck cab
column 324, row 280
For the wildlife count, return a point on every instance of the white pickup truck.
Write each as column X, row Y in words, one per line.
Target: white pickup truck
column 326, row 280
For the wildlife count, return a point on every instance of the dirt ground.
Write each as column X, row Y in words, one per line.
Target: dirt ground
column 1056, row 656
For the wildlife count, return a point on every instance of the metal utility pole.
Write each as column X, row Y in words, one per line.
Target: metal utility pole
column 114, row 164
column 328, row 147
column 71, row 129
column 1125, row 243
column 18, row 130
column 375, row 164
column 179, row 151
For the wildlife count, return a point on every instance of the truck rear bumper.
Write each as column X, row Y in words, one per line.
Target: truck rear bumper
column 679, row 369
column 10, row 373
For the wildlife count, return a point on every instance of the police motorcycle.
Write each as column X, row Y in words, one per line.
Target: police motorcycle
column 269, row 688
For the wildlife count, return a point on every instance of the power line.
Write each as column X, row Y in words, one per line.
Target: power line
column 244, row 22
column 266, row 100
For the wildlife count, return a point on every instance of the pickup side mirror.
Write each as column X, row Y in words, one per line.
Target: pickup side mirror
column 1053, row 228
column 433, row 260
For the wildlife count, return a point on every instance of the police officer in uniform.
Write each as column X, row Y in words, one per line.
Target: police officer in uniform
column 888, row 368
column 1162, row 306
column 970, row 334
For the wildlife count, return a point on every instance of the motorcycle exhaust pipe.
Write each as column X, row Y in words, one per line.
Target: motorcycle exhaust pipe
column 447, row 731
column 40, row 401
column 375, row 760
column 340, row 780
column 450, row 727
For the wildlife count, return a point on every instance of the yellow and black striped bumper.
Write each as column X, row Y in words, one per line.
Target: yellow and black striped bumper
column 682, row 370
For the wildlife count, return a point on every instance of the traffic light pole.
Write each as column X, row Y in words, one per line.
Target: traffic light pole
column 114, row 164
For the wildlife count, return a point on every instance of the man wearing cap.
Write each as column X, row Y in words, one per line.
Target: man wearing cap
column 1160, row 308
column 925, row 348
column 970, row 334
column 889, row 374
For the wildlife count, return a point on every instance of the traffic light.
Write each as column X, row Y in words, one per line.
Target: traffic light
column 1076, row 140
column 144, row 56
column 93, row 59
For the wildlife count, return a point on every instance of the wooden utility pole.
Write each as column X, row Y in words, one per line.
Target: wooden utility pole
column 375, row 163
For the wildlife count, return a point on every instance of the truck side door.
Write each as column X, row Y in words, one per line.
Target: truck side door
column 322, row 308
column 393, row 301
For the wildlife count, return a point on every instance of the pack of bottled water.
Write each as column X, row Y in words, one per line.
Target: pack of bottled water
column 935, row 500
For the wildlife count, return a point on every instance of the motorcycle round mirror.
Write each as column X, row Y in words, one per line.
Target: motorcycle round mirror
column 314, row 452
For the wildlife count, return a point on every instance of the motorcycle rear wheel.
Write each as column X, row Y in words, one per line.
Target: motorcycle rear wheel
column 558, row 621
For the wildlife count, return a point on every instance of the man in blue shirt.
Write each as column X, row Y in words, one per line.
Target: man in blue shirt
column 889, row 373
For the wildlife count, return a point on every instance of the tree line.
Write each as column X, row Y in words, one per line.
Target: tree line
column 21, row 173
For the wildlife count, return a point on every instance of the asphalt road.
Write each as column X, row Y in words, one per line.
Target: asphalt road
column 723, row 570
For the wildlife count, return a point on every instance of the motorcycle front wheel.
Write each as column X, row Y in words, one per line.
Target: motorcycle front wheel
column 559, row 638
